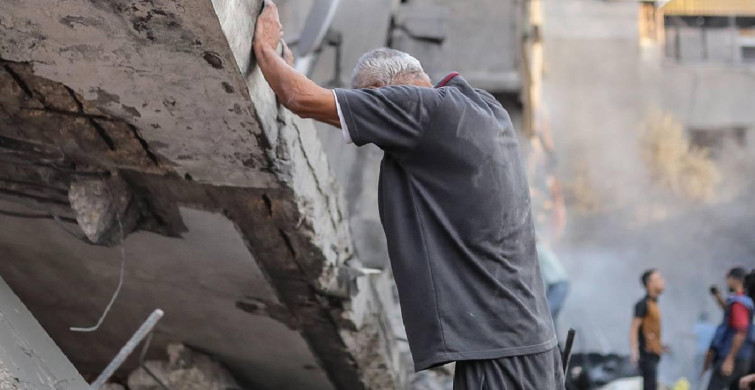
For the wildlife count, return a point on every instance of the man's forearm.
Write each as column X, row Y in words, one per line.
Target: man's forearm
column 633, row 338
column 294, row 90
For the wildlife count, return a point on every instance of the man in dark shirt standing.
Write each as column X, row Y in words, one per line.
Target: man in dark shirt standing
column 645, row 343
column 455, row 208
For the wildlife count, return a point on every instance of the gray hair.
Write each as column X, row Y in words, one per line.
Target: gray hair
column 381, row 67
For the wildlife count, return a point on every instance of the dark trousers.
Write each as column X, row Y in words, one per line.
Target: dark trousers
column 649, row 370
column 540, row 371
column 721, row 382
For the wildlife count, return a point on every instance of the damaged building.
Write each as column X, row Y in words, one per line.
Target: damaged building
column 143, row 153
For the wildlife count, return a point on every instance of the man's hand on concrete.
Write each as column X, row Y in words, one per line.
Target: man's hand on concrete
column 269, row 30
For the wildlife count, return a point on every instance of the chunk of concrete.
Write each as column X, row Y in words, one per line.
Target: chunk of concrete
column 105, row 209
column 184, row 370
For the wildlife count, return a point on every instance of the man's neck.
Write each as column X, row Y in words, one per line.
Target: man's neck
column 418, row 83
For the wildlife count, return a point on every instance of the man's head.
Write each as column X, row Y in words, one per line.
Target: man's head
column 382, row 67
column 735, row 279
column 653, row 282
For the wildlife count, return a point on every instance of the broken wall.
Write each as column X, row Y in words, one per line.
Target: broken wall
column 164, row 95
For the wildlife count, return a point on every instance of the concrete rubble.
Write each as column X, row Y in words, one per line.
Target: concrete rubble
column 105, row 209
column 7, row 381
column 184, row 370
column 113, row 386
column 162, row 99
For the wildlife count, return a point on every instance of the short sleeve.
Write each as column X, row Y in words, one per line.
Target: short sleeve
column 394, row 118
column 740, row 317
column 344, row 127
column 641, row 309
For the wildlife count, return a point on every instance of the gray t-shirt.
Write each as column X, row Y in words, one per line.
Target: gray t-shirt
column 455, row 208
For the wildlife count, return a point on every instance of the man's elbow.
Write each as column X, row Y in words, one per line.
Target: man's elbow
column 293, row 105
column 301, row 111
column 301, row 108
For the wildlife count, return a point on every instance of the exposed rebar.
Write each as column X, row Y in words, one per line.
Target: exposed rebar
column 123, row 354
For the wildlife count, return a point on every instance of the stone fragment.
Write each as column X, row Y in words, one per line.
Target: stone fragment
column 185, row 370
column 106, row 209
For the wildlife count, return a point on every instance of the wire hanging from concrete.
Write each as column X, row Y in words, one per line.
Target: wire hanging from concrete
column 120, row 278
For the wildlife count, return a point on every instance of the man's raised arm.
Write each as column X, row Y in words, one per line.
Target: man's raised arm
column 294, row 90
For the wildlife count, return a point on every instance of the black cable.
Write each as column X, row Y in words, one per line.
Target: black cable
column 59, row 220
column 58, row 168
column 16, row 214
column 77, row 235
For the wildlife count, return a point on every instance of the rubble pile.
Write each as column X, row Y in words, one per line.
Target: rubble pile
column 185, row 369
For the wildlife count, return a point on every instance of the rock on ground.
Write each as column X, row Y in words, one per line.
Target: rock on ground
column 184, row 370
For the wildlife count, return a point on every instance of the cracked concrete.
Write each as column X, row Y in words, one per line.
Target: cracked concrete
column 165, row 96
column 147, row 62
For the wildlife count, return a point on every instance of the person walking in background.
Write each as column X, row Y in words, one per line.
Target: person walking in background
column 703, row 331
column 732, row 346
column 645, row 343
column 555, row 278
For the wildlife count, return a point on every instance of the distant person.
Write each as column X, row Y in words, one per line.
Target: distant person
column 750, row 292
column 731, row 349
column 555, row 278
column 645, row 343
column 703, row 331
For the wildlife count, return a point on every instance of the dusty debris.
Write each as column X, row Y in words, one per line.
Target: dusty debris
column 184, row 370
column 676, row 164
column 112, row 386
column 7, row 381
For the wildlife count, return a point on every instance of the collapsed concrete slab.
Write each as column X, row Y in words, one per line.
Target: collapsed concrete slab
column 240, row 233
column 29, row 359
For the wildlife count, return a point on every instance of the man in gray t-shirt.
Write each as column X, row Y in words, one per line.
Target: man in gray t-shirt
column 455, row 208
